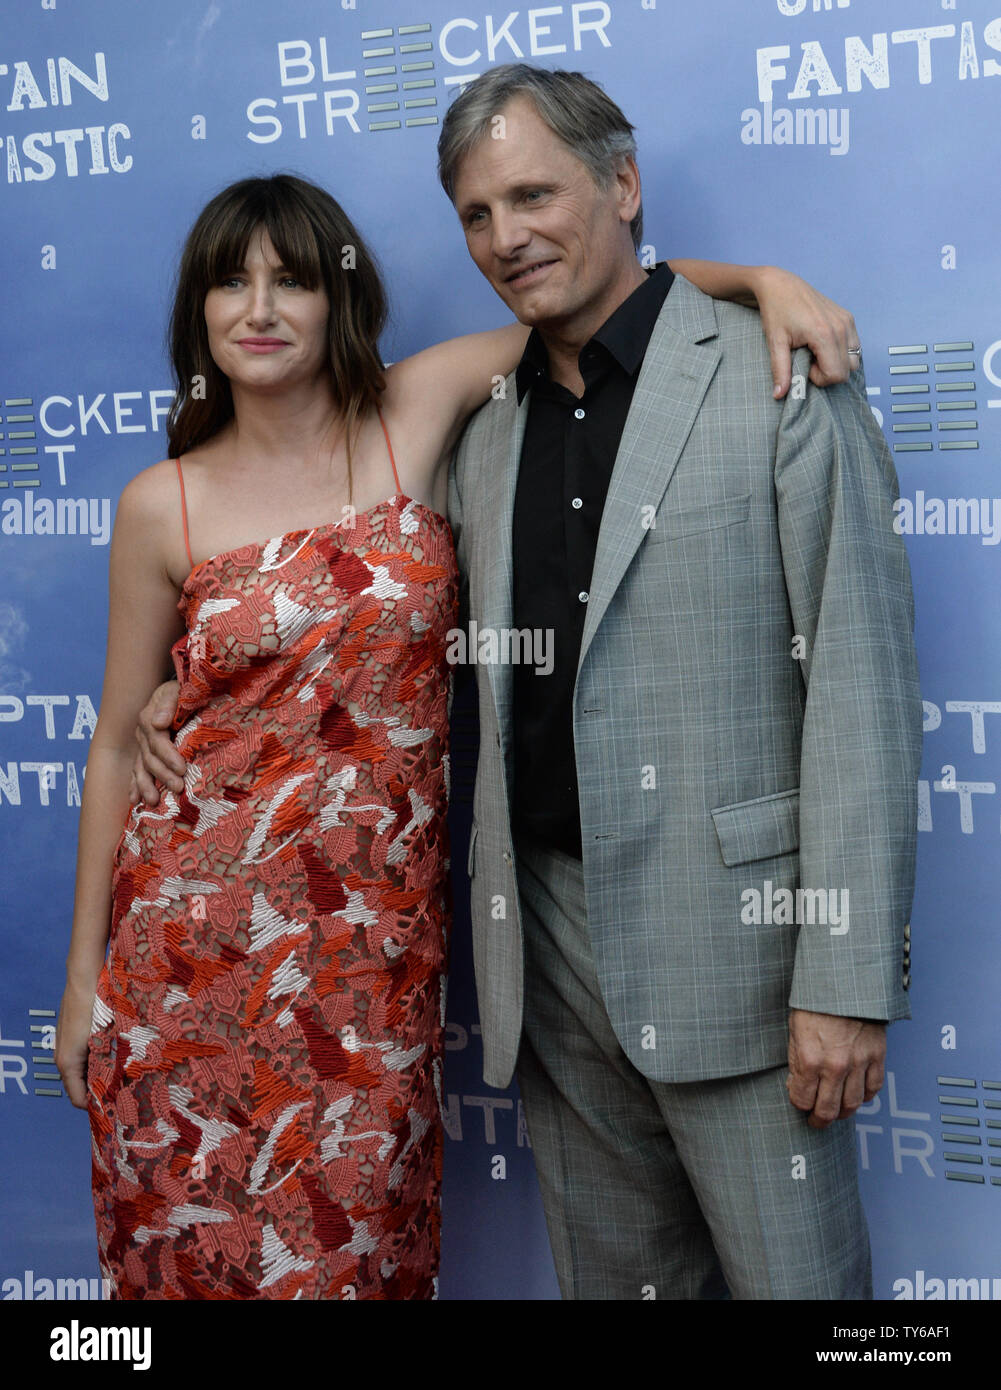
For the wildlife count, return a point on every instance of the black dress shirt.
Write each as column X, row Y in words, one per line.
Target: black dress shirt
column 566, row 465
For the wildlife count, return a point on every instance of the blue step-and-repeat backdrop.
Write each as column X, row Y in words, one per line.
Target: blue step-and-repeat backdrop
column 854, row 141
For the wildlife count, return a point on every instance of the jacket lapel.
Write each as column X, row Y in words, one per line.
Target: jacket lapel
column 679, row 364
column 501, row 474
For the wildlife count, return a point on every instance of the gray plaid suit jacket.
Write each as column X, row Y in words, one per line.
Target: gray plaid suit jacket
column 746, row 715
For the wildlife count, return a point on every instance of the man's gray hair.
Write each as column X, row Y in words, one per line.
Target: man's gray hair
column 574, row 108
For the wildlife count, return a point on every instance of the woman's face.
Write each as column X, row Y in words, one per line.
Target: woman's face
column 267, row 331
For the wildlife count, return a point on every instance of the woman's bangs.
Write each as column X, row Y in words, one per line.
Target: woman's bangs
column 225, row 248
column 291, row 233
column 294, row 238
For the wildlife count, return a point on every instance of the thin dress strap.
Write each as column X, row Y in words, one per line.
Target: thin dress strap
column 389, row 446
column 184, row 513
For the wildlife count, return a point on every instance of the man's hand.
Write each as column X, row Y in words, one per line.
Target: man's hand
column 793, row 315
column 835, row 1064
column 157, row 760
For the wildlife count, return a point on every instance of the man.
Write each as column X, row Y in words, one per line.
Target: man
column 734, row 678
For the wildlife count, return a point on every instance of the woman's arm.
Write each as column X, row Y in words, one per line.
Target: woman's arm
column 143, row 623
column 793, row 314
column 433, row 393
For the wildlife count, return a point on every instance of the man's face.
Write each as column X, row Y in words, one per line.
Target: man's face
column 554, row 245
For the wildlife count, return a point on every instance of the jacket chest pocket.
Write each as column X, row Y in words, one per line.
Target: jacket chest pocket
column 671, row 525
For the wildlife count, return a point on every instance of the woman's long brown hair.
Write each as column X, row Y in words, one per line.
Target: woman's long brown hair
column 319, row 245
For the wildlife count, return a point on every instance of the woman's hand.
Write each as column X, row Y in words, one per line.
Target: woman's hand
column 793, row 315
column 72, row 1038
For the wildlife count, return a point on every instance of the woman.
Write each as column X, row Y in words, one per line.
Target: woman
column 265, row 1036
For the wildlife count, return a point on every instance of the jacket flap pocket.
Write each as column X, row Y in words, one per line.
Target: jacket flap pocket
column 758, row 829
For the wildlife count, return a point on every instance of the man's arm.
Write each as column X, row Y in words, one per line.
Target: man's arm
column 849, row 590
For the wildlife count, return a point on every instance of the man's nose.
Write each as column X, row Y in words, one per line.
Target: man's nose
column 508, row 233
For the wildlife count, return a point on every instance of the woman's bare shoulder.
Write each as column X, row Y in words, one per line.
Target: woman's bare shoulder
column 157, row 489
column 151, row 493
column 150, row 519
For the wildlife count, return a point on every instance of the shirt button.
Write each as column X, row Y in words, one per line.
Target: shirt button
column 583, row 596
column 577, row 503
column 578, row 414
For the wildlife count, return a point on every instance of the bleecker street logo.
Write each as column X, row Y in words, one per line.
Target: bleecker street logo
column 18, row 452
column 935, row 395
column 36, row 1046
column 969, row 1157
column 28, row 468
column 967, row 1127
column 934, row 400
column 403, row 74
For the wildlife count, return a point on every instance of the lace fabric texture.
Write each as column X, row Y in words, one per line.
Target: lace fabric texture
column 265, row 1060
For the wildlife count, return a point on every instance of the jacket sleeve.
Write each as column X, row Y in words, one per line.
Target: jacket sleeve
column 849, row 588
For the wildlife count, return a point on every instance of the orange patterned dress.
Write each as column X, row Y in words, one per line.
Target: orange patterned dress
column 265, row 1061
